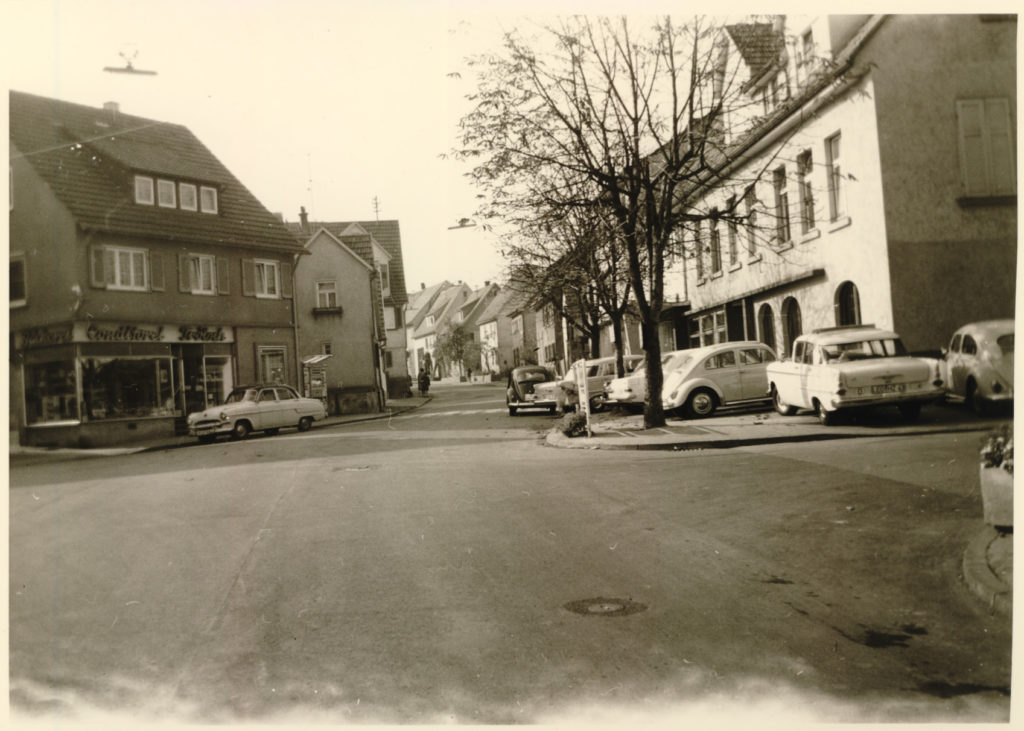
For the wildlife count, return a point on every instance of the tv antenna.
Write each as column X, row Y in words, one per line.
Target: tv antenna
column 376, row 208
column 128, row 68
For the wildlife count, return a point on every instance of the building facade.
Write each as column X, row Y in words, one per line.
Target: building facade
column 883, row 149
column 146, row 279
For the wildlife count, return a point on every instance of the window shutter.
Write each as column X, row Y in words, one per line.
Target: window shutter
column 223, row 285
column 184, row 273
column 1000, row 148
column 248, row 277
column 970, row 117
column 156, row 271
column 286, row 280
column 96, row 277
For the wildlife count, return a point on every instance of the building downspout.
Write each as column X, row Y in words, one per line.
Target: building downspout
column 295, row 325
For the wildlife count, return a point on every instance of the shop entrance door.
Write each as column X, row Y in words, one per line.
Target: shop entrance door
column 193, row 386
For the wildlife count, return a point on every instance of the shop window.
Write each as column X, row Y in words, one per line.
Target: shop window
column 272, row 365
column 126, row 388
column 50, row 392
column 18, row 282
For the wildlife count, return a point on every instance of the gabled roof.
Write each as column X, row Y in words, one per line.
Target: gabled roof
column 495, row 307
column 447, row 301
column 476, row 303
column 760, row 44
column 89, row 156
column 385, row 233
column 420, row 302
column 324, row 234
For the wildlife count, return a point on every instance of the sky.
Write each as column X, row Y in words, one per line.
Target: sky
column 343, row 107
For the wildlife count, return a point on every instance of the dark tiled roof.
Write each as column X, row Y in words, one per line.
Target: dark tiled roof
column 88, row 157
column 760, row 44
column 494, row 308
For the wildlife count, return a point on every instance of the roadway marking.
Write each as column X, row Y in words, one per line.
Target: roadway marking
column 464, row 412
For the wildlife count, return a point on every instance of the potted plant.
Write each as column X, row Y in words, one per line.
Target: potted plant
column 996, row 475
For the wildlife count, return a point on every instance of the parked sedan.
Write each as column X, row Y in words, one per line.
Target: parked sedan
column 263, row 407
column 978, row 364
column 599, row 371
column 724, row 374
column 632, row 389
column 519, row 391
column 840, row 368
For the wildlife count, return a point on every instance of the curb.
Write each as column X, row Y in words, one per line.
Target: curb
column 556, row 439
column 980, row 579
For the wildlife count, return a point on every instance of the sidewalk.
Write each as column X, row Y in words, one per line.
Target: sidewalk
column 988, row 560
column 393, row 408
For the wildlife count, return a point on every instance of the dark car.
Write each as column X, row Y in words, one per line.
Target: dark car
column 519, row 390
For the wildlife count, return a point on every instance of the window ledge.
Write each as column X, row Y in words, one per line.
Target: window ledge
column 785, row 245
column 734, row 267
column 327, row 311
column 15, row 304
column 716, row 274
column 977, row 201
column 841, row 222
column 811, row 235
column 701, row 281
column 753, row 259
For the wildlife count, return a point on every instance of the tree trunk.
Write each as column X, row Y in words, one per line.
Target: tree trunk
column 620, row 367
column 595, row 343
column 654, row 415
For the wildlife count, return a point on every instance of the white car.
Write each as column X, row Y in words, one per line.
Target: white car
column 979, row 364
column 265, row 407
column 839, row 368
column 632, row 389
column 599, row 371
column 724, row 374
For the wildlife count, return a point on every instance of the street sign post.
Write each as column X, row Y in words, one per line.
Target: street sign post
column 582, row 392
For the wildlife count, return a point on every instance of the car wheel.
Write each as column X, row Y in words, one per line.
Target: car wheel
column 272, row 432
column 910, row 412
column 781, row 406
column 240, row 430
column 305, row 423
column 207, row 439
column 596, row 404
column 978, row 404
column 702, row 403
column 825, row 417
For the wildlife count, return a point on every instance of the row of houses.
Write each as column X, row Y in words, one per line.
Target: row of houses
column 146, row 281
column 884, row 153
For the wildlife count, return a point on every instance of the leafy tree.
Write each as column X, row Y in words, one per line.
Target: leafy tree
column 455, row 347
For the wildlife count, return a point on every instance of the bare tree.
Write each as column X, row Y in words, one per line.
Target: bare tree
column 593, row 111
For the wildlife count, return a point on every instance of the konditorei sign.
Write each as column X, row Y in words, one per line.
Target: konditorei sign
column 122, row 332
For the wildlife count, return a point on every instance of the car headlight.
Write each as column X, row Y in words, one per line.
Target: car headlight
column 223, row 416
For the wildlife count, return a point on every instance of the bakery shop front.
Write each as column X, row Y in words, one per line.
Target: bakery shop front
column 95, row 384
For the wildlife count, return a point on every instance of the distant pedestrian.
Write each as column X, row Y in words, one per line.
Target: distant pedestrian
column 424, row 382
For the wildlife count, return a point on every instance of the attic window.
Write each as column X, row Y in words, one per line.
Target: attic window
column 165, row 194
column 144, row 190
column 208, row 199
column 187, row 197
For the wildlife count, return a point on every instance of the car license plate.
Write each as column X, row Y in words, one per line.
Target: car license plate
column 889, row 388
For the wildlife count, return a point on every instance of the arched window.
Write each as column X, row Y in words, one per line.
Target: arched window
column 847, row 304
column 767, row 322
column 791, row 322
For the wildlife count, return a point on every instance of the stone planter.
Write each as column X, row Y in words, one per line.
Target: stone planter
column 996, row 496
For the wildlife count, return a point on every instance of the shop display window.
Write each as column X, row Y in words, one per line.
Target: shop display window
column 124, row 388
column 50, row 392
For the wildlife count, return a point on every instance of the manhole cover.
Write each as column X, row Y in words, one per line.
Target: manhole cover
column 605, row 607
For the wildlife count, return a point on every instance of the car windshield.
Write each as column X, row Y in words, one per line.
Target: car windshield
column 878, row 348
column 241, row 394
column 675, row 362
column 532, row 377
column 1005, row 343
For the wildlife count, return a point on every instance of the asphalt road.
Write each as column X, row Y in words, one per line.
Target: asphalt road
column 445, row 566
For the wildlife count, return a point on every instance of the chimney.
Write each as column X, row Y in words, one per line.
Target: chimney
column 112, row 107
column 304, row 219
column 422, row 286
column 487, row 283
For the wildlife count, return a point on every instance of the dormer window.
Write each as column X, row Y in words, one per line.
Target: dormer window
column 165, row 194
column 188, row 197
column 208, row 199
column 144, row 190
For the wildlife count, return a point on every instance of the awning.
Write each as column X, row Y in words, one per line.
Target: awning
column 311, row 359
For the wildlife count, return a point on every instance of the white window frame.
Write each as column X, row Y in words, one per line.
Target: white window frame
column 119, row 279
column 327, row 287
column 144, row 193
column 833, row 152
column 207, row 199
column 19, row 258
column 261, row 281
column 188, row 197
column 985, row 145
column 385, row 279
column 196, row 264
column 166, row 193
